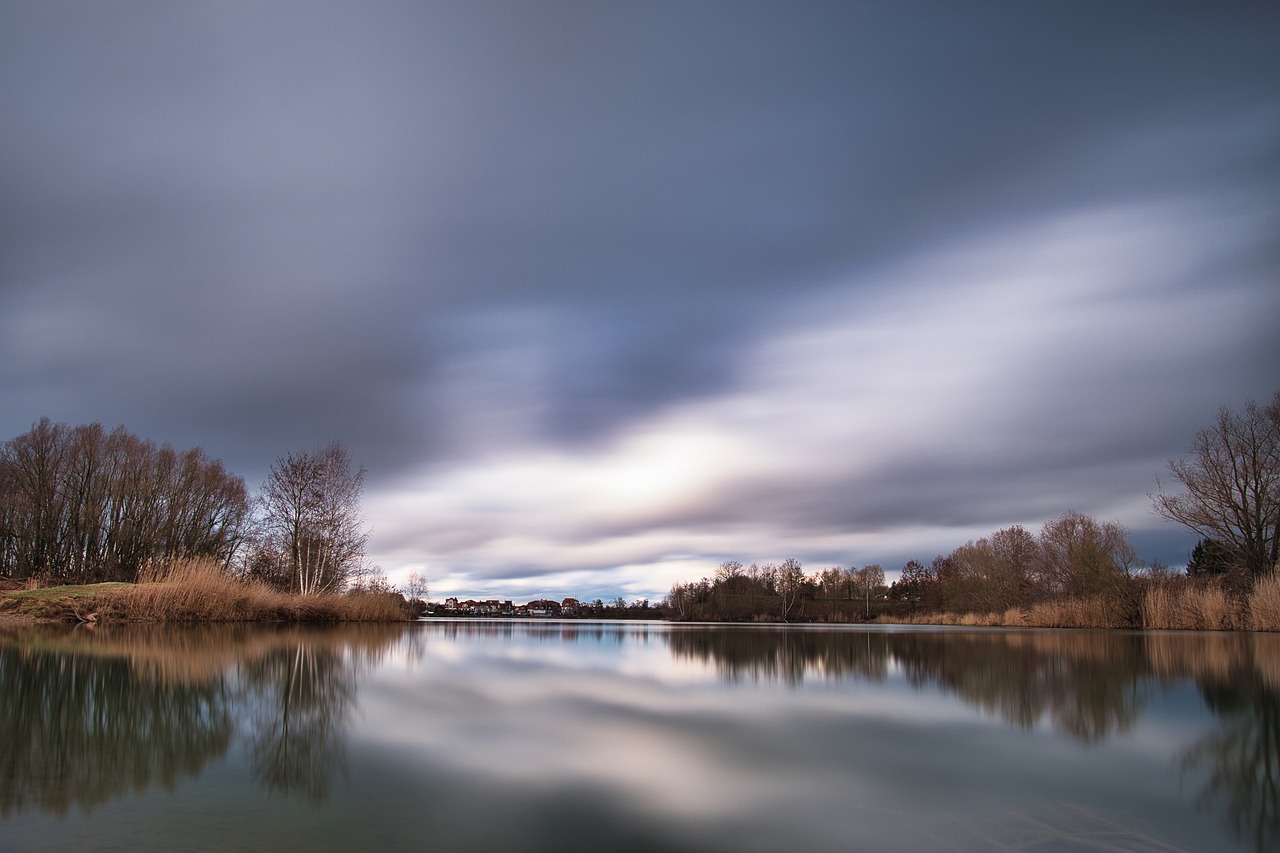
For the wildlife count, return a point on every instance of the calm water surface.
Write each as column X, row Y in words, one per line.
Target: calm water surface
column 504, row 735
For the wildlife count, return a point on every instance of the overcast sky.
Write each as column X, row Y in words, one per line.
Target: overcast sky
column 604, row 293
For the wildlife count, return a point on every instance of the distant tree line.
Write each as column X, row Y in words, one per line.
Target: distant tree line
column 778, row 592
column 84, row 505
column 616, row 608
column 1074, row 556
column 1228, row 492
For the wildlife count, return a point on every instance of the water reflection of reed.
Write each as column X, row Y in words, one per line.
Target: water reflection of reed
column 1266, row 657
column 195, row 654
column 90, row 715
column 1203, row 656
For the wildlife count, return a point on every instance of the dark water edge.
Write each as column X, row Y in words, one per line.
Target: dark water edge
column 538, row 735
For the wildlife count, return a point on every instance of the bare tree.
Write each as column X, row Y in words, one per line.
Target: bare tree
column 728, row 570
column 684, row 601
column 311, row 520
column 1230, row 486
column 34, row 501
column 833, row 584
column 789, row 578
column 415, row 587
column 1083, row 557
column 680, row 601
column 996, row 570
column 783, row 582
column 867, row 580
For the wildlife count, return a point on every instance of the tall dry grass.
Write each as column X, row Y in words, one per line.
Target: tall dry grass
column 1264, row 604
column 201, row 591
column 1062, row 613
column 944, row 618
column 1174, row 606
column 1076, row 613
column 1189, row 608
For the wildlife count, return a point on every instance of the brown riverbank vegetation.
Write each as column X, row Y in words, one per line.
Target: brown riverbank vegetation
column 201, row 591
column 1177, row 604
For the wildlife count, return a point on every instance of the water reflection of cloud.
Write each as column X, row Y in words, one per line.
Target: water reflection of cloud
column 879, row 742
column 688, row 747
column 728, row 762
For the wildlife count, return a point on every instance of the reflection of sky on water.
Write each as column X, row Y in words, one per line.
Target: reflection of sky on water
column 538, row 736
column 671, row 742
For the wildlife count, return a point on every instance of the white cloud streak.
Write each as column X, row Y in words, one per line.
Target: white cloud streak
column 1022, row 354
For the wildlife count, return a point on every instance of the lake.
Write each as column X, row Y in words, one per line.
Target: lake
column 542, row 736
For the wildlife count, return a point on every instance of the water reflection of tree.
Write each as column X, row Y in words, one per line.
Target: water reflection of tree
column 89, row 716
column 1088, row 686
column 78, row 731
column 548, row 631
column 789, row 656
column 301, row 700
column 1242, row 760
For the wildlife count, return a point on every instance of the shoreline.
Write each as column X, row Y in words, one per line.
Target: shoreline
column 15, row 619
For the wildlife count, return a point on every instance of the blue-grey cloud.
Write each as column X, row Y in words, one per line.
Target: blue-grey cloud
column 890, row 270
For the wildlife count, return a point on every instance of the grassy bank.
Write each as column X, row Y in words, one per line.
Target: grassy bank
column 1163, row 607
column 56, row 603
column 197, row 591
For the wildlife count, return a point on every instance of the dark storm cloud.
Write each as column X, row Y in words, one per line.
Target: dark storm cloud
column 479, row 239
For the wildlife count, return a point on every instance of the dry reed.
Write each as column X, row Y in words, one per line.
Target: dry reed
column 1189, row 608
column 1076, row 613
column 1061, row 613
column 1264, row 604
column 1180, row 606
column 201, row 591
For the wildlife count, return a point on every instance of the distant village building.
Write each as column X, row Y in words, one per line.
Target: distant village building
column 543, row 607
